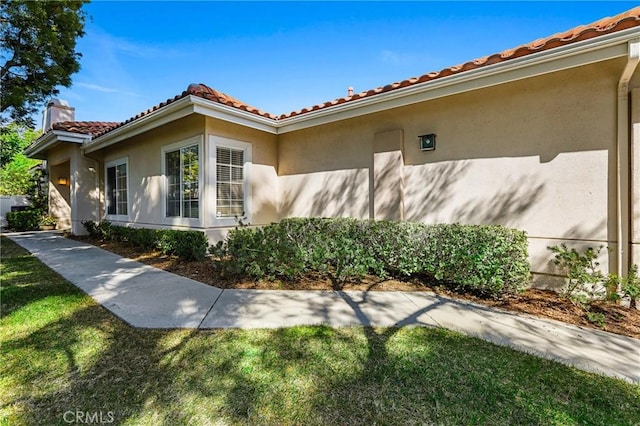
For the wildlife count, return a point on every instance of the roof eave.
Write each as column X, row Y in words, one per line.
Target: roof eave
column 181, row 108
column 52, row 137
column 577, row 54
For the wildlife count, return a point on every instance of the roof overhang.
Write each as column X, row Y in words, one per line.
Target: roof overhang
column 179, row 109
column 53, row 137
column 574, row 55
column 585, row 52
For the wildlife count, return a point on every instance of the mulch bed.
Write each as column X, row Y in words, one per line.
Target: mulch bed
column 543, row 303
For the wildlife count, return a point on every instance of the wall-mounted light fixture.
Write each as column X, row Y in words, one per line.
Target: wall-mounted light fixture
column 63, row 181
column 427, row 142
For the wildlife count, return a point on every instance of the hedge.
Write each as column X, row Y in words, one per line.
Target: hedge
column 488, row 260
column 187, row 245
column 26, row 220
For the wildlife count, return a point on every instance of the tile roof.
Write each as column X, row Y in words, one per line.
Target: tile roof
column 201, row 91
column 85, row 127
column 623, row 21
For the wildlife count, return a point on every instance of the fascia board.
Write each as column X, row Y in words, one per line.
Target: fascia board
column 234, row 115
column 53, row 137
column 558, row 59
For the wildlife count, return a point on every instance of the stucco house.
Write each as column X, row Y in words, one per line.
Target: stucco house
column 544, row 137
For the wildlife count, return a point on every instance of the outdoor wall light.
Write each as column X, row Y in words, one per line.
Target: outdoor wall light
column 427, row 142
column 63, row 181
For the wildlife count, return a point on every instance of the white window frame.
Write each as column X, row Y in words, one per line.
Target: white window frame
column 107, row 166
column 179, row 220
column 218, row 141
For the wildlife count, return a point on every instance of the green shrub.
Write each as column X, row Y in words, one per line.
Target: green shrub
column 487, row 260
column 144, row 238
column 187, row 245
column 26, row 220
column 98, row 230
column 120, row 234
column 629, row 285
column 584, row 279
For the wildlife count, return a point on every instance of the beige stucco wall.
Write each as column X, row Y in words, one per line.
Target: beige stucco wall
column 536, row 154
column 77, row 201
column 263, row 174
column 144, row 156
column 60, row 195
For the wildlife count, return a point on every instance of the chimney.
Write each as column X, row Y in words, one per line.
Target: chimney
column 350, row 91
column 57, row 110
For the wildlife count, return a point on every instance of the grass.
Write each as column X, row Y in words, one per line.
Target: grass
column 62, row 356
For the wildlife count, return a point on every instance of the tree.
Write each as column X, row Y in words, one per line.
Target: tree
column 16, row 175
column 37, row 53
column 13, row 140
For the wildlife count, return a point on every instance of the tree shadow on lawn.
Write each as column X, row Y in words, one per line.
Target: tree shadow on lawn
column 91, row 362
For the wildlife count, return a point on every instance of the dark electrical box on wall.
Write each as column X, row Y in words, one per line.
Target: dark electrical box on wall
column 427, row 142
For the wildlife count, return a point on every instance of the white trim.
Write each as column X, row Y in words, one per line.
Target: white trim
column 234, row 115
column 117, row 217
column 503, row 72
column 215, row 141
column 585, row 52
column 179, row 220
column 51, row 138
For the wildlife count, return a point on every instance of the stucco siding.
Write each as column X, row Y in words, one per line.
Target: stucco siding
column 536, row 154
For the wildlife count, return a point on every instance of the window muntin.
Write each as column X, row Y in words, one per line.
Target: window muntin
column 229, row 182
column 182, row 169
column 116, row 189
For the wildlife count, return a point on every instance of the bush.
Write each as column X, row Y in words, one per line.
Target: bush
column 629, row 285
column 27, row 220
column 487, row 260
column 187, row 245
column 98, row 230
column 584, row 279
column 144, row 238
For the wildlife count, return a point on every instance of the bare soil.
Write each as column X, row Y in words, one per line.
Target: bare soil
column 543, row 303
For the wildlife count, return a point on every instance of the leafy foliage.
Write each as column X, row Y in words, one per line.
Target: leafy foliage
column 38, row 52
column 584, row 279
column 187, row 245
column 629, row 285
column 14, row 138
column 27, row 220
column 16, row 177
column 488, row 260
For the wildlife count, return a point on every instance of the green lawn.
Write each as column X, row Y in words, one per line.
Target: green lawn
column 62, row 356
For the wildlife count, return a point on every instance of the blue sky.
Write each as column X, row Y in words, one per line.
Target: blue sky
column 284, row 56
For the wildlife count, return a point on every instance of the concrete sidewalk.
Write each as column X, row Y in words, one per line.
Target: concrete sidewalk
column 147, row 297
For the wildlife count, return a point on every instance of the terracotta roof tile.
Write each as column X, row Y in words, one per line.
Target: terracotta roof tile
column 623, row 21
column 86, row 127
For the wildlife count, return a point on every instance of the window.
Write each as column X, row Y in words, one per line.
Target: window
column 229, row 182
column 182, row 169
column 116, row 188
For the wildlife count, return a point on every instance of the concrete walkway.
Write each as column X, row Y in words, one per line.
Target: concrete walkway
column 147, row 297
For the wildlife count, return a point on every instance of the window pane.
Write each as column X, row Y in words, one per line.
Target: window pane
column 190, row 181
column 121, row 185
column 111, row 190
column 172, row 164
column 237, row 157
column 229, row 182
